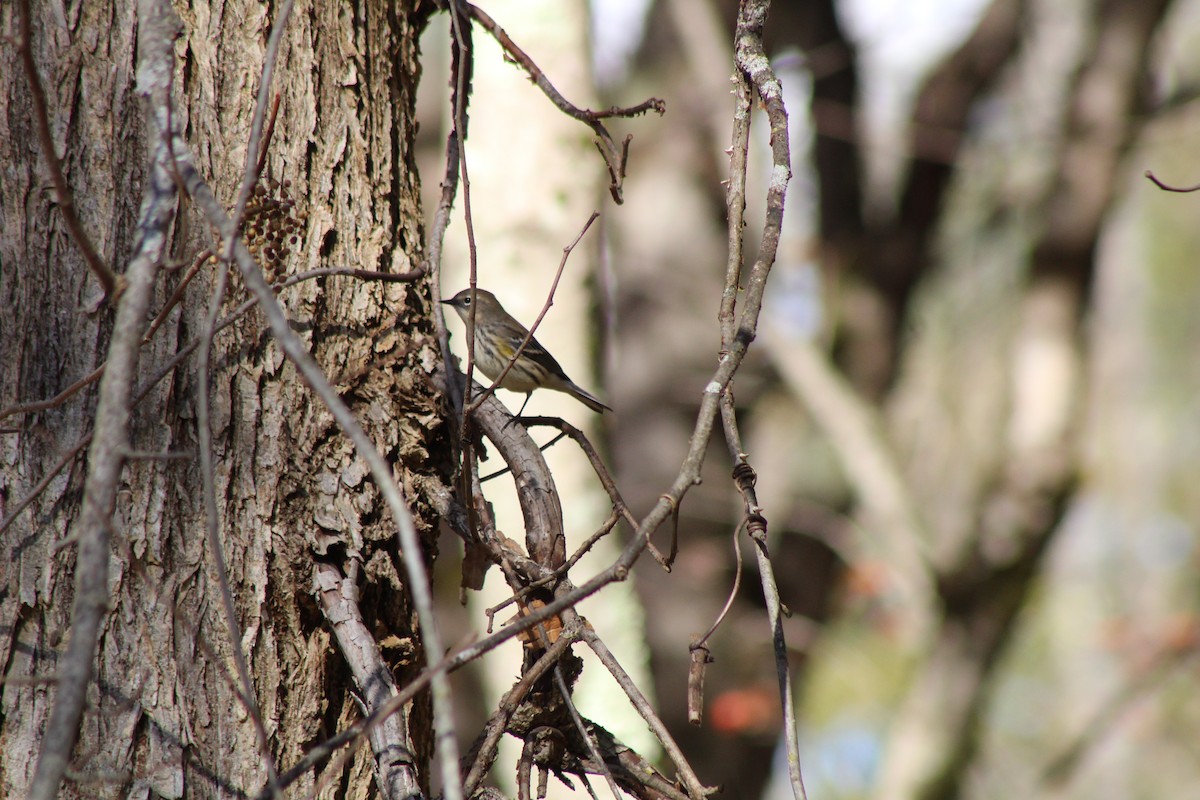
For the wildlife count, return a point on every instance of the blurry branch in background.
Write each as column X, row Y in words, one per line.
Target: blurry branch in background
column 858, row 437
column 988, row 561
column 1178, row 648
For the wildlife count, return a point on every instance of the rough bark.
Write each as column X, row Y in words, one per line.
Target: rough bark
column 162, row 716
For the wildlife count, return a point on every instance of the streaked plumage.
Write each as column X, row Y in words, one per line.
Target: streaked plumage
column 497, row 337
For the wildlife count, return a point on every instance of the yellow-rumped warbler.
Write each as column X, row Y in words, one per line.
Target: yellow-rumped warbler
column 497, row 337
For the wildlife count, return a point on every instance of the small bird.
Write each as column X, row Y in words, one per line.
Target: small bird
column 497, row 337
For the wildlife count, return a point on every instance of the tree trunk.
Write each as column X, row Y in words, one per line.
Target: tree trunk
column 163, row 716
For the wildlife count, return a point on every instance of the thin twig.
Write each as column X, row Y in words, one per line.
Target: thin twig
column 461, row 34
column 733, row 592
column 269, row 133
column 1167, row 187
column 41, row 485
column 252, row 169
column 461, row 64
column 615, row 157
column 211, row 530
column 754, row 70
column 695, row 788
column 177, row 294
column 605, row 528
column 505, row 470
column 58, row 399
column 588, row 739
column 468, row 472
column 205, row 254
column 602, row 473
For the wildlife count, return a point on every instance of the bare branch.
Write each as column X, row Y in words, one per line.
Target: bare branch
column 57, row 400
column 461, row 64
column 615, row 157
column 754, row 72
column 696, row 790
column 394, row 767
column 700, row 641
column 105, row 463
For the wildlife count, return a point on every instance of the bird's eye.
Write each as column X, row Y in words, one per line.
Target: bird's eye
column 466, row 301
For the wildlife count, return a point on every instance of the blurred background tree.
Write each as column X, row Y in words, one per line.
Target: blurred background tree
column 975, row 414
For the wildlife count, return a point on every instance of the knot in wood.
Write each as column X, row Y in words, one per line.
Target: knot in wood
column 547, row 747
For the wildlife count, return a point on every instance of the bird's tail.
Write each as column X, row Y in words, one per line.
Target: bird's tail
column 584, row 397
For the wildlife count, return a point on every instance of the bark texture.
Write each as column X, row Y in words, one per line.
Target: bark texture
column 163, row 718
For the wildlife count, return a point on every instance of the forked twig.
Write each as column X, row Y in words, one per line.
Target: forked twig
column 754, row 74
column 485, row 747
column 588, row 739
